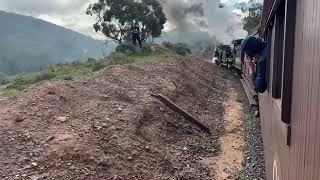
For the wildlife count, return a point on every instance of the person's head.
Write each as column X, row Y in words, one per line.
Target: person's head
column 253, row 46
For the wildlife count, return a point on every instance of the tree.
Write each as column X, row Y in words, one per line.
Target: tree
column 116, row 17
column 252, row 12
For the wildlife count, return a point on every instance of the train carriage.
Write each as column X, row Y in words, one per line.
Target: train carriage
column 238, row 58
column 224, row 55
column 290, row 111
column 290, row 108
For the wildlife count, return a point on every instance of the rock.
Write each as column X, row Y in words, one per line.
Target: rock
column 120, row 109
column 62, row 119
column 184, row 148
column 19, row 119
column 50, row 138
column 68, row 164
column 34, row 177
column 51, row 93
column 27, row 167
column 34, row 164
column 104, row 125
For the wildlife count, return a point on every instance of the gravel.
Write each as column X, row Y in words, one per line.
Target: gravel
column 254, row 165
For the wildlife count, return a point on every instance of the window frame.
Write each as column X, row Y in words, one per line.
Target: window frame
column 289, row 44
column 278, row 52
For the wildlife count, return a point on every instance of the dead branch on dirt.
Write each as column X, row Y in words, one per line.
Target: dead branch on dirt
column 182, row 112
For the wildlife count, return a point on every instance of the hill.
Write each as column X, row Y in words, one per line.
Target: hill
column 28, row 44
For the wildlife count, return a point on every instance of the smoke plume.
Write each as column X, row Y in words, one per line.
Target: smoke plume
column 204, row 16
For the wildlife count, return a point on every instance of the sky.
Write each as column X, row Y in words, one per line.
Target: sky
column 68, row 13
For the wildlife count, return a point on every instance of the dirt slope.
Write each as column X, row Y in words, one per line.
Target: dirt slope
column 107, row 126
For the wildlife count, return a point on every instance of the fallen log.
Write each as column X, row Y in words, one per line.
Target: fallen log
column 181, row 112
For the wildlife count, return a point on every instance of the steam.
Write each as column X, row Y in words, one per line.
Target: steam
column 204, row 16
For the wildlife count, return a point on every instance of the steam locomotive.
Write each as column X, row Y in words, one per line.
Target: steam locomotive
column 230, row 56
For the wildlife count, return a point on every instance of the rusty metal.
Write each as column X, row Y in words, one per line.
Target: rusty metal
column 181, row 112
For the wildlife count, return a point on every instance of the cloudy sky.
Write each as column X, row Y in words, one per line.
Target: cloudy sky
column 67, row 13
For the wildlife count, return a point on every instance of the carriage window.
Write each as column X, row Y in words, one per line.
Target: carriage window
column 290, row 19
column 278, row 52
column 268, row 37
column 280, row 35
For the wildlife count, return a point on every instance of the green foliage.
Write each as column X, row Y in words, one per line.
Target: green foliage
column 130, row 49
column 252, row 11
column 146, row 49
column 168, row 45
column 44, row 76
column 180, row 48
column 78, row 69
column 116, row 17
column 97, row 66
column 68, row 78
column 126, row 48
column 91, row 60
column 58, row 72
column 118, row 59
column 3, row 79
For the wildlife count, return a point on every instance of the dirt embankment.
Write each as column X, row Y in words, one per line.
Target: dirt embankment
column 107, row 126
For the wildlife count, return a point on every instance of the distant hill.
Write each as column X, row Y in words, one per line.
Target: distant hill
column 28, row 44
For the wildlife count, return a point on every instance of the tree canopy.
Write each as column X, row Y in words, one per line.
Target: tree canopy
column 252, row 11
column 116, row 17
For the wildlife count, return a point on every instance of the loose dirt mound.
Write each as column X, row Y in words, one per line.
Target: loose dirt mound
column 107, row 126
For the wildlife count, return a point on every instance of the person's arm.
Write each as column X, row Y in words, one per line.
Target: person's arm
column 258, row 79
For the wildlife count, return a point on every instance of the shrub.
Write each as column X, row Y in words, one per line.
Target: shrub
column 126, row 48
column 118, row 59
column 68, row 78
column 179, row 48
column 97, row 66
column 168, row 45
column 3, row 80
column 91, row 60
column 19, row 84
column 75, row 63
column 44, row 76
column 182, row 49
column 146, row 50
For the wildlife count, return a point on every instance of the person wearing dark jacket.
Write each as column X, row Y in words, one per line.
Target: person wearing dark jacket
column 256, row 51
column 136, row 34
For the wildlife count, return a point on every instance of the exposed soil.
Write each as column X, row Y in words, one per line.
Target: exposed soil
column 228, row 163
column 107, row 126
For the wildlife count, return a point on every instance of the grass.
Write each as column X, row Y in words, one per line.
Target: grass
column 57, row 72
column 165, row 57
column 78, row 69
